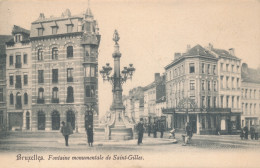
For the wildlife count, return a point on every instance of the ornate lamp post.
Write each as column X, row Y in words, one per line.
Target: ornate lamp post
column 117, row 79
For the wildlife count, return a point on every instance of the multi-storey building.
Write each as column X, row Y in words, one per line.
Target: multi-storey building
column 18, row 74
column 3, row 114
column 64, row 66
column 250, row 96
column 153, row 92
column 134, row 104
column 229, row 77
column 192, row 92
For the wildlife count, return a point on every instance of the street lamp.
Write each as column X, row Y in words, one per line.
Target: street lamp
column 117, row 127
column 117, row 78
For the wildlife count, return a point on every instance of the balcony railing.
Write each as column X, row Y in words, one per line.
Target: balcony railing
column 40, row 101
column 18, row 85
column 55, row 100
column 70, row 100
column 18, row 106
column 90, row 59
column 70, row 79
column 18, row 65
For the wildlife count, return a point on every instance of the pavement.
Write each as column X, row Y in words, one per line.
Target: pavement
column 203, row 151
column 53, row 141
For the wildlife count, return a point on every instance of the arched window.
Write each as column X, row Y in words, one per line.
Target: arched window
column 27, row 120
column 69, row 51
column 11, row 99
column 18, row 104
column 54, row 53
column 70, row 95
column 40, row 54
column 41, row 120
column 55, row 120
column 25, row 98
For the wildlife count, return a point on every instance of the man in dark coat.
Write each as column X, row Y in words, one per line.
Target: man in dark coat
column 149, row 128
column 66, row 130
column 154, row 130
column 252, row 132
column 245, row 129
column 140, row 130
column 162, row 129
column 90, row 135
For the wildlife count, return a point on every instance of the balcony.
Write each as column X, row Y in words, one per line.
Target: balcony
column 40, row 101
column 18, row 85
column 90, row 59
column 55, row 100
column 70, row 100
column 18, row 106
column 70, row 79
column 90, row 99
column 90, row 79
column 18, row 65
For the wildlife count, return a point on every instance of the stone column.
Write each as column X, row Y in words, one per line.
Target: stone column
column 48, row 121
column 188, row 118
column 198, row 124
column 24, row 120
column 34, row 121
column 80, row 120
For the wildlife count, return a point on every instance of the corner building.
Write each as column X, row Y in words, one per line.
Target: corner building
column 192, row 92
column 64, row 71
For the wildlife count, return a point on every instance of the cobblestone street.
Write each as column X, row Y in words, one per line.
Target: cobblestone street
column 227, row 148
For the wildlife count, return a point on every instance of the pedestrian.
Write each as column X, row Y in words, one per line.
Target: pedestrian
column 242, row 135
column 188, row 135
column 245, row 129
column 149, row 128
column 90, row 135
column 154, row 130
column 140, row 130
column 252, row 132
column 66, row 130
column 162, row 129
column 257, row 130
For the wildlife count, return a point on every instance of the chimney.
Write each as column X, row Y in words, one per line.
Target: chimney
column 157, row 77
column 210, row 46
column 232, row 51
column 41, row 16
column 177, row 55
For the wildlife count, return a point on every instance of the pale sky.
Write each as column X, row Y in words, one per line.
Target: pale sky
column 152, row 31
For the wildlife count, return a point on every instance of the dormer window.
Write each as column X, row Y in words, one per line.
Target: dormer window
column 54, row 29
column 69, row 28
column 18, row 38
column 40, row 31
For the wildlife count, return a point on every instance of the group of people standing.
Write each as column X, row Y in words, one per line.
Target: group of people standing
column 153, row 128
column 67, row 130
column 254, row 130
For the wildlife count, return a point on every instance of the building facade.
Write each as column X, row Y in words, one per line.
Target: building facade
column 229, row 77
column 18, row 73
column 134, row 104
column 64, row 66
column 3, row 113
column 154, row 93
column 192, row 92
column 250, row 95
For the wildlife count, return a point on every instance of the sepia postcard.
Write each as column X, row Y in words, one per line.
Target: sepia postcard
column 136, row 83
